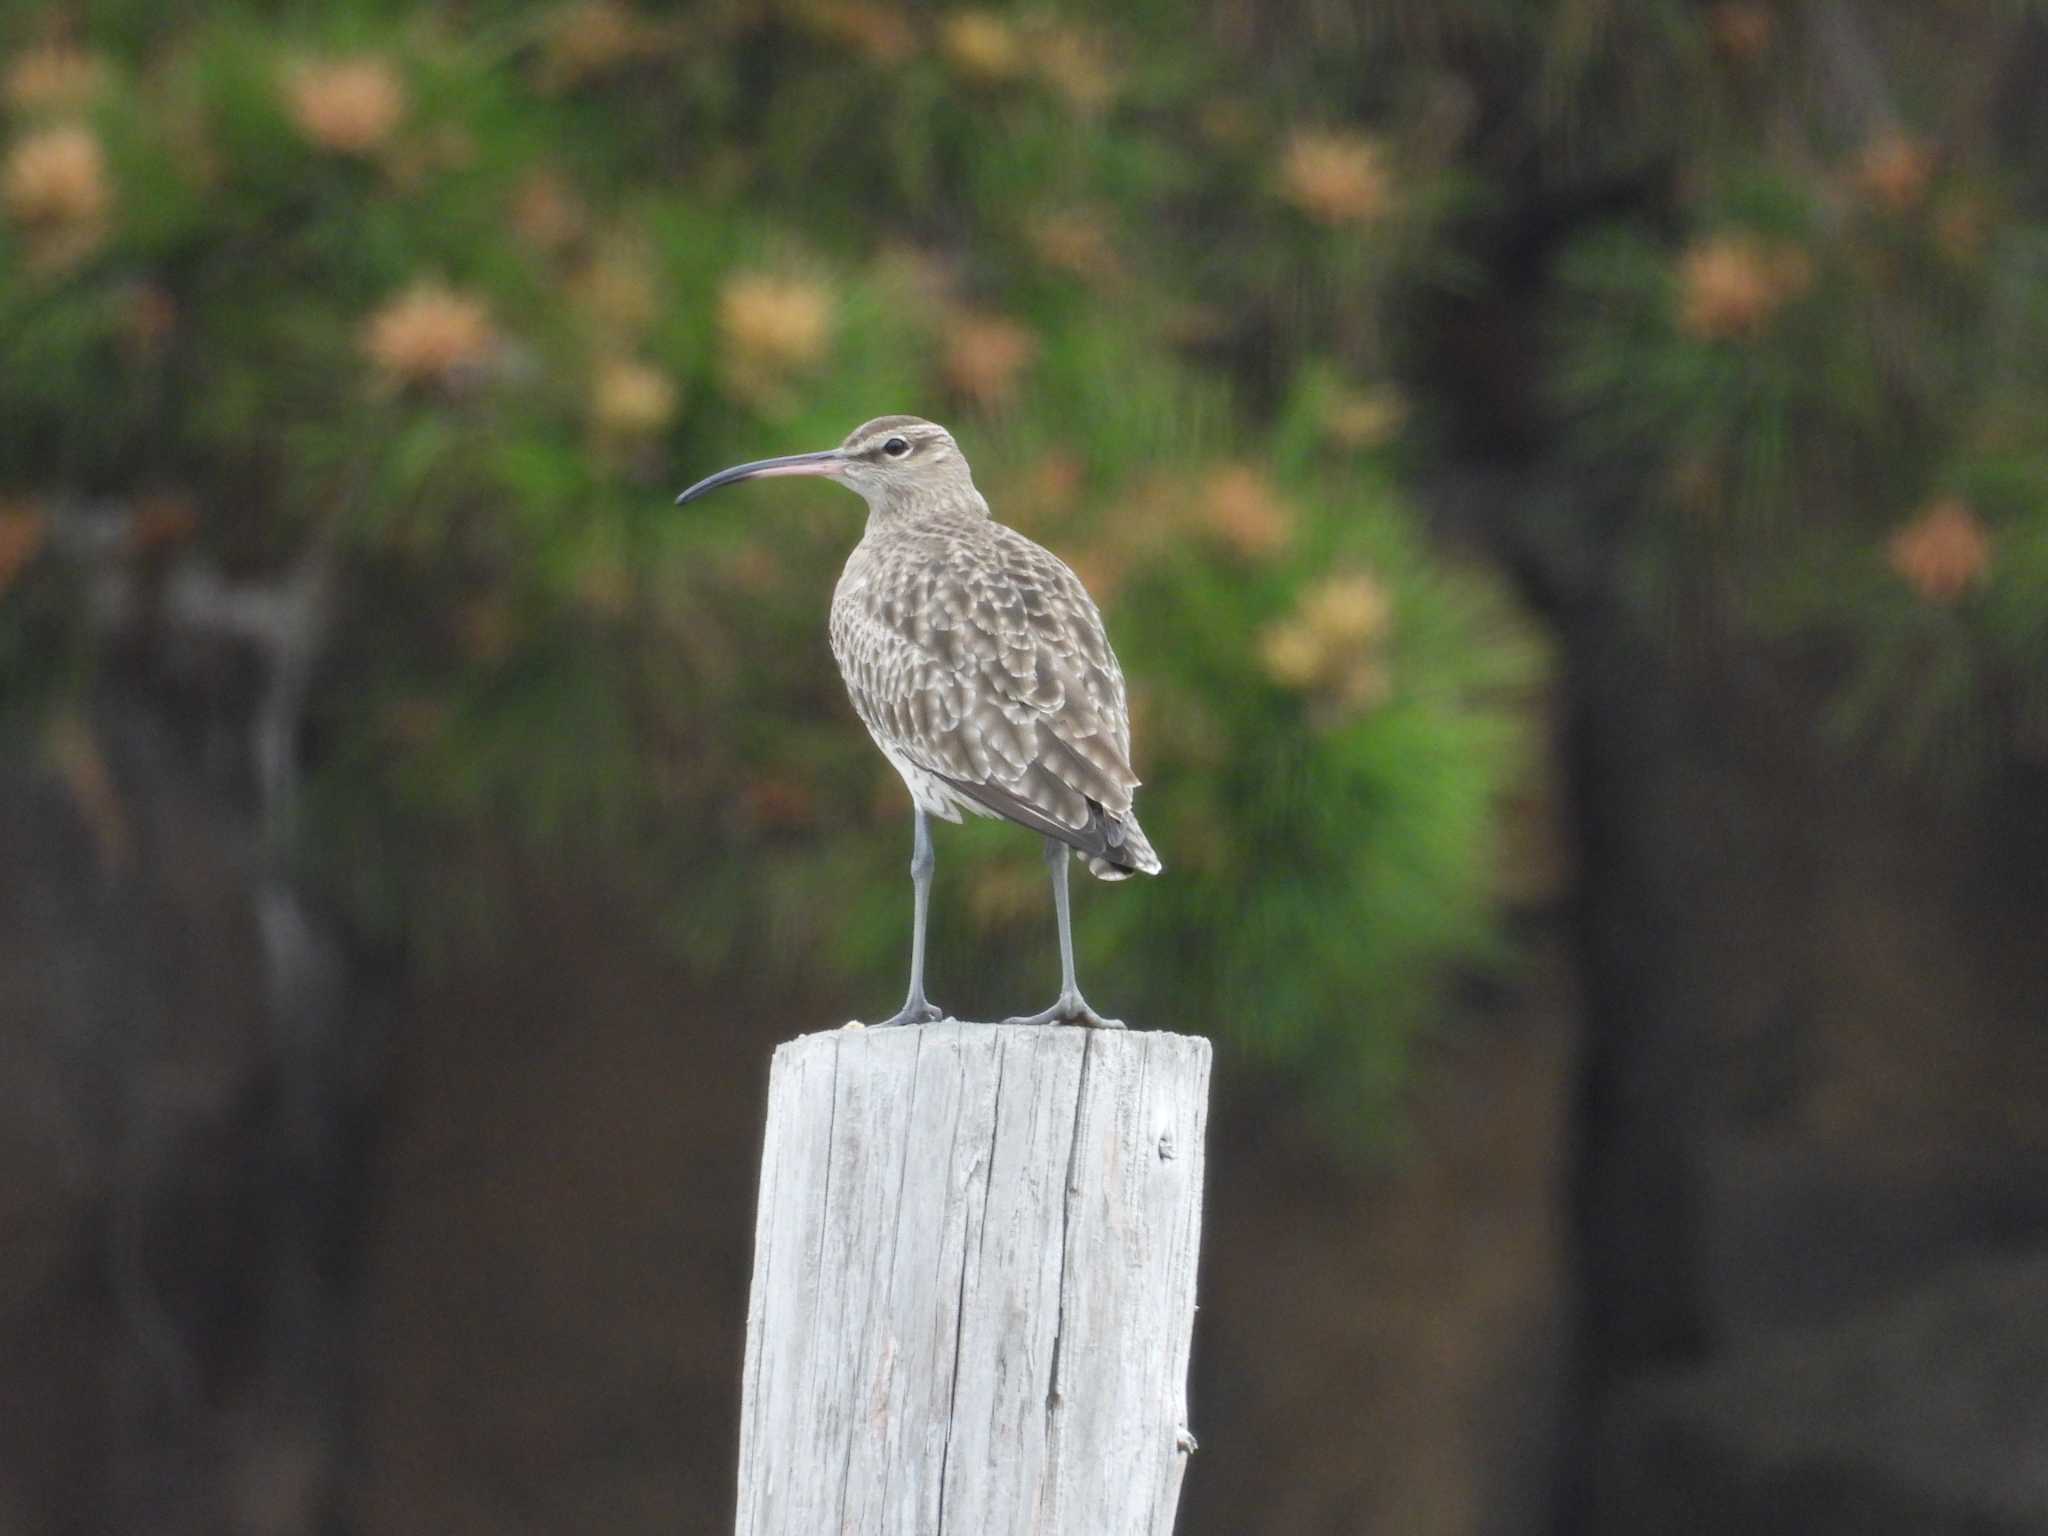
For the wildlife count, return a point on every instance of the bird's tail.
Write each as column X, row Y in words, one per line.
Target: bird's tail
column 1112, row 845
column 1126, row 852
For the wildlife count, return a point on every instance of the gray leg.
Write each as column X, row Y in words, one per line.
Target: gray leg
column 915, row 1009
column 1072, row 1008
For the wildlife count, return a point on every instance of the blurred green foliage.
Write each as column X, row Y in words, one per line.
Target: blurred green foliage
column 468, row 291
column 1821, row 355
column 464, row 292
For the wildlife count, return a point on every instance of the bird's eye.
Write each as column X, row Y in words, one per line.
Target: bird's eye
column 896, row 447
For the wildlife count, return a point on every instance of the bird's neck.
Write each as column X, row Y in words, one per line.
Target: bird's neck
column 937, row 506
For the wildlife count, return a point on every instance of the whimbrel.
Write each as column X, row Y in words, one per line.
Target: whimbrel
column 977, row 661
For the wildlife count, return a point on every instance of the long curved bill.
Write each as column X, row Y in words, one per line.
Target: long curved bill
column 829, row 461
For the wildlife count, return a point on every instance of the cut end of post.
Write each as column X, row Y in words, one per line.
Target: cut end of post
column 879, row 1031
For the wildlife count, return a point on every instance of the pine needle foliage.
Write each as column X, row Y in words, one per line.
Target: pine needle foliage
column 1821, row 363
column 465, row 292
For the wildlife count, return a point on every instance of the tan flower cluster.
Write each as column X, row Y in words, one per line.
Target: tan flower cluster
column 1043, row 492
column 1147, row 518
column 1233, row 504
column 546, row 213
column 346, row 106
column 882, row 33
column 631, row 399
column 982, row 46
column 1076, row 63
column 1077, row 242
column 1894, row 172
column 21, row 537
column 1240, row 507
column 982, row 357
column 1336, row 178
column 989, row 49
column 617, row 291
column 1732, row 286
column 1740, row 29
column 1355, row 420
column 54, row 185
column 1103, row 567
column 785, row 322
column 772, row 327
column 985, row 356
column 57, row 176
column 52, row 78
column 589, row 38
column 1333, row 646
column 429, row 335
column 1943, row 552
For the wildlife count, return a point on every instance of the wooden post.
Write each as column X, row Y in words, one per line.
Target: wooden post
column 974, row 1283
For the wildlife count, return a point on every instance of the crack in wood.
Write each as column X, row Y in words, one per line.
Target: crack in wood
column 1020, row 1186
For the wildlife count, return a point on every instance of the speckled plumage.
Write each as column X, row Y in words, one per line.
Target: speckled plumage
column 978, row 662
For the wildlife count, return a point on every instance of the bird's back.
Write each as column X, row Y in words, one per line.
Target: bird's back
column 979, row 664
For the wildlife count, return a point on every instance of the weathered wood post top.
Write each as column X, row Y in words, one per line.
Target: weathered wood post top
column 974, row 1283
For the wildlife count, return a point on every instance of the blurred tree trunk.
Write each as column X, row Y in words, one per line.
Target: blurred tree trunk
column 1808, row 1124
column 185, row 1092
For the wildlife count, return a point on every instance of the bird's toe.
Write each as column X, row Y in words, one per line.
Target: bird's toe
column 918, row 1012
column 1071, row 1009
column 1090, row 1019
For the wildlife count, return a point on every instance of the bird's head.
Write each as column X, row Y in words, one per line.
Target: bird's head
column 894, row 462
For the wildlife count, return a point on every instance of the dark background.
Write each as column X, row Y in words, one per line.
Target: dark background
column 1567, row 481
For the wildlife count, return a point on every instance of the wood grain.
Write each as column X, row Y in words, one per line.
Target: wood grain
column 974, row 1283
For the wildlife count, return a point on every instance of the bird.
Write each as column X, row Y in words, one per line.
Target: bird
column 979, row 664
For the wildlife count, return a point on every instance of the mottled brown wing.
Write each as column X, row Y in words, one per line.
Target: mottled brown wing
column 982, row 660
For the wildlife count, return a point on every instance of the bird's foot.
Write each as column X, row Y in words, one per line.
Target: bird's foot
column 1072, row 1008
column 916, row 1011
